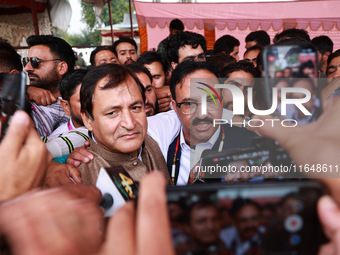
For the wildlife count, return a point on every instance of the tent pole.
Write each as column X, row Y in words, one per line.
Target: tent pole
column 35, row 17
column 110, row 15
column 130, row 8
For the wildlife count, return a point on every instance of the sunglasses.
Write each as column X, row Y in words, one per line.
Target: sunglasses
column 36, row 61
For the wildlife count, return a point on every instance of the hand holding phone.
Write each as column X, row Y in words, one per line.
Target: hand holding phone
column 12, row 98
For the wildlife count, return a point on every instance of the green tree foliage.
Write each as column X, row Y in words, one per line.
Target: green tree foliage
column 118, row 8
column 86, row 37
column 91, row 36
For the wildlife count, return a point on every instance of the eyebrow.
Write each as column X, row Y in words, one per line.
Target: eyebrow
column 332, row 66
column 186, row 99
column 128, row 50
column 112, row 107
column 233, row 82
column 136, row 102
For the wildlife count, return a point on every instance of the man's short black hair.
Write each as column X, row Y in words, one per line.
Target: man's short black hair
column 221, row 60
column 261, row 38
column 9, row 58
column 255, row 47
column 291, row 33
column 148, row 57
column 226, row 43
column 187, row 67
column 239, row 66
column 180, row 40
column 323, row 44
column 99, row 49
column 139, row 68
column 114, row 74
column 58, row 47
column 176, row 24
column 239, row 203
column 70, row 82
column 201, row 203
column 121, row 40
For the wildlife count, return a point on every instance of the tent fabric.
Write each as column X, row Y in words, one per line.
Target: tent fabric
column 60, row 14
column 312, row 15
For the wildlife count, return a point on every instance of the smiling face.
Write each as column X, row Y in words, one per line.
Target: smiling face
column 197, row 127
column 333, row 69
column 119, row 122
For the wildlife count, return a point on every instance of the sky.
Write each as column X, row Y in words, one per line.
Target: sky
column 75, row 25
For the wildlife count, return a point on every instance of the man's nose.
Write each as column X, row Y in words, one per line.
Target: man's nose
column 337, row 73
column 200, row 111
column 127, row 120
column 28, row 67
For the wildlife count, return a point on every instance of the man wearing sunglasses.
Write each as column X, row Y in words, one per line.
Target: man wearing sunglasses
column 48, row 59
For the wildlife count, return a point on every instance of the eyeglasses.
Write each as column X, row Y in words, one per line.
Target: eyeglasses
column 191, row 107
column 36, row 61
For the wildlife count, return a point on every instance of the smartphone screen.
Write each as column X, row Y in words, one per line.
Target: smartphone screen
column 266, row 218
column 291, row 84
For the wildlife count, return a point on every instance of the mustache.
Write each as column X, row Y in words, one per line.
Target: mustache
column 32, row 74
column 206, row 119
column 152, row 106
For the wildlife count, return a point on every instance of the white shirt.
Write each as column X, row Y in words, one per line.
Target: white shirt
column 68, row 126
column 165, row 127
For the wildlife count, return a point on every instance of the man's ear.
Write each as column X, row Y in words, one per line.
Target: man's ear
column 62, row 68
column 167, row 78
column 14, row 71
column 87, row 121
column 174, row 65
column 174, row 106
column 66, row 107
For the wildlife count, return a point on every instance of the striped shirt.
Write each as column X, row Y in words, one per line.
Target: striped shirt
column 48, row 118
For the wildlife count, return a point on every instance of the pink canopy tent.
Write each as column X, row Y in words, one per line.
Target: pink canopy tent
column 238, row 19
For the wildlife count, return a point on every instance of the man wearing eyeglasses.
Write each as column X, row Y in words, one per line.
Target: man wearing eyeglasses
column 183, row 134
column 49, row 58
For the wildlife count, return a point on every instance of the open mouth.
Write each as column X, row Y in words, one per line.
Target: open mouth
column 203, row 126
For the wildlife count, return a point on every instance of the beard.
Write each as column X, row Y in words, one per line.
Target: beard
column 49, row 82
column 76, row 119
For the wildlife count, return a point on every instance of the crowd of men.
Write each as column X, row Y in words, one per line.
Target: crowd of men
column 140, row 112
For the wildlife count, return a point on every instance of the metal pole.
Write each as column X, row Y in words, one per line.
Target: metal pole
column 110, row 15
column 130, row 7
column 35, row 17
